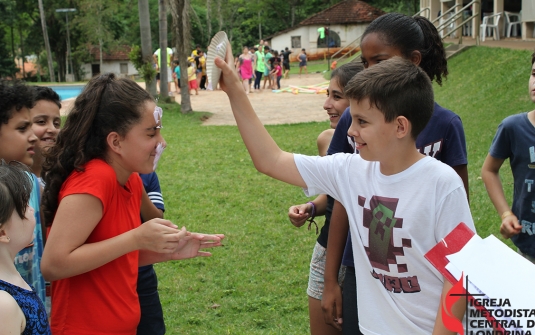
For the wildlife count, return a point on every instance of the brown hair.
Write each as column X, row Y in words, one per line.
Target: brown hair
column 15, row 189
column 107, row 104
column 397, row 88
column 344, row 73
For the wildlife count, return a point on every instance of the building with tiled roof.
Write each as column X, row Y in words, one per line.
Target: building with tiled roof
column 324, row 33
column 115, row 61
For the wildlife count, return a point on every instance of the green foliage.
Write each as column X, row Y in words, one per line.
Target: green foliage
column 483, row 96
column 7, row 66
column 409, row 7
column 144, row 67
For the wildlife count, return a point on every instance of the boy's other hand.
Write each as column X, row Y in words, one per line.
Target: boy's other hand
column 299, row 214
column 331, row 304
column 510, row 226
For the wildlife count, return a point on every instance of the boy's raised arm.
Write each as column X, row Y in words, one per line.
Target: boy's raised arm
column 267, row 157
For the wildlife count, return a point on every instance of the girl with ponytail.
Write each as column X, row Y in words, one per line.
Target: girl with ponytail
column 92, row 201
column 416, row 39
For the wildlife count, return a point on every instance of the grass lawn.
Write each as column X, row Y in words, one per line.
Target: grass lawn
column 256, row 284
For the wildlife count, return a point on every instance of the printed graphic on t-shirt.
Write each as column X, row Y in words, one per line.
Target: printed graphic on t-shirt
column 380, row 220
column 431, row 149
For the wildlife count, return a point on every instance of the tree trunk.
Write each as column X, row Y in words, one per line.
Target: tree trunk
column 146, row 44
column 164, row 92
column 208, row 20
column 47, row 43
column 219, row 15
column 22, row 52
column 100, row 51
column 179, row 9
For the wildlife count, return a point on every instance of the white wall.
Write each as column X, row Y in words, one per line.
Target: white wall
column 110, row 66
column 309, row 36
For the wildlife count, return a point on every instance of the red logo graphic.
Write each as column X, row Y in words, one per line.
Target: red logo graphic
column 453, row 295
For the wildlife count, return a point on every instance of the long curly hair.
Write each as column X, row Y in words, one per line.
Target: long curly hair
column 413, row 33
column 107, row 104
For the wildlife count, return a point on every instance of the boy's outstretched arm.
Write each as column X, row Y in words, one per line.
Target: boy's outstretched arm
column 491, row 178
column 267, row 157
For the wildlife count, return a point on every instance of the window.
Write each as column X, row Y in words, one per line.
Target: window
column 124, row 68
column 296, row 42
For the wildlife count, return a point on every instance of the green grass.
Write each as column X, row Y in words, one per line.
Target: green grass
column 484, row 86
column 256, row 284
column 259, row 278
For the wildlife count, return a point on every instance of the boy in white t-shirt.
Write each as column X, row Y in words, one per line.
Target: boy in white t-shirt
column 400, row 203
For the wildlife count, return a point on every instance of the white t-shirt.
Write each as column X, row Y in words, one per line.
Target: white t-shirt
column 394, row 220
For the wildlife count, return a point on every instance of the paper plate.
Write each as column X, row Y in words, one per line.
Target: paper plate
column 217, row 48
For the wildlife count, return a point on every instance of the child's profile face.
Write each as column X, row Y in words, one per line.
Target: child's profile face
column 372, row 134
column 46, row 122
column 532, row 83
column 138, row 147
column 374, row 50
column 17, row 140
column 20, row 231
column 336, row 103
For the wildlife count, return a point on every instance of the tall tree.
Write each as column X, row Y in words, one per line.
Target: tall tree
column 146, row 42
column 181, row 24
column 163, row 49
column 208, row 22
column 47, row 42
column 94, row 22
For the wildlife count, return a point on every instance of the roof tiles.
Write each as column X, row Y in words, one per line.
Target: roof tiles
column 345, row 12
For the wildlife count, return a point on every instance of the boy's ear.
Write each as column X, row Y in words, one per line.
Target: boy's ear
column 403, row 127
column 114, row 141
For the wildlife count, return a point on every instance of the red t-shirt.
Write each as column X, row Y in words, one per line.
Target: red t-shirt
column 104, row 300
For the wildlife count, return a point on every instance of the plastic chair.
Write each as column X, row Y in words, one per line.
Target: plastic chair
column 512, row 20
column 491, row 23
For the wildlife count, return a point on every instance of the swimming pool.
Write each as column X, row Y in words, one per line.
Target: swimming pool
column 68, row 91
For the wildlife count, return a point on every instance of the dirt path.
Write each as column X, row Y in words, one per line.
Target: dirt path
column 271, row 108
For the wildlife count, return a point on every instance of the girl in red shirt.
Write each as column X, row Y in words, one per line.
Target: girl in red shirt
column 92, row 201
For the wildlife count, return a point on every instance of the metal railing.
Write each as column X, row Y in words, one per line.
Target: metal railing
column 454, row 16
column 357, row 41
column 425, row 9
column 452, row 24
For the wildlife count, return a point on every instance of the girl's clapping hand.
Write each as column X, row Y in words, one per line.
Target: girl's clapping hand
column 190, row 245
column 159, row 235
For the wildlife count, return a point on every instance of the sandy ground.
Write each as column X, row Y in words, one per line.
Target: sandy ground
column 272, row 108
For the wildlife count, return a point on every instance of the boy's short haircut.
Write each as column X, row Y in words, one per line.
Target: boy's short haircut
column 14, row 95
column 396, row 87
column 15, row 189
column 46, row 93
column 532, row 58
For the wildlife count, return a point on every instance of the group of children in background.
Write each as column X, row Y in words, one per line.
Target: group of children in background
column 258, row 61
column 196, row 68
column 386, row 203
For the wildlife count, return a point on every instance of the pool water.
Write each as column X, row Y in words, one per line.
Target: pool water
column 68, row 91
